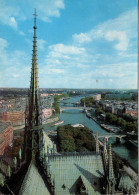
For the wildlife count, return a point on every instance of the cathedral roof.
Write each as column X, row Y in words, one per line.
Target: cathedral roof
column 33, row 182
column 66, row 171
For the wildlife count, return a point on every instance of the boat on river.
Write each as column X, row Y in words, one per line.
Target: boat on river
column 106, row 128
column 88, row 115
column 58, row 123
column 66, row 98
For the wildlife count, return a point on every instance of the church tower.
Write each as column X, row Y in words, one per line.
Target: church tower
column 33, row 130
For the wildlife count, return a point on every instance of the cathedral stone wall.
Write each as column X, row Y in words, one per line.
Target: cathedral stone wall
column 48, row 144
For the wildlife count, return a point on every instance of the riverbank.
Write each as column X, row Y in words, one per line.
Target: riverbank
column 50, row 120
column 76, row 117
column 109, row 128
column 57, row 123
column 115, row 129
column 57, row 99
column 132, row 144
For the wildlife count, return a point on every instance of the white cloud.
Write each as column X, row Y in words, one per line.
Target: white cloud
column 60, row 49
column 61, row 72
column 16, row 75
column 3, row 44
column 3, row 57
column 64, row 56
column 128, row 55
column 8, row 14
column 13, row 65
column 41, row 44
column 120, row 70
column 121, row 29
column 57, row 71
column 122, row 75
column 120, row 36
column 22, row 33
column 13, row 22
column 47, row 8
column 77, row 65
column 81, row 38
column 61, row 60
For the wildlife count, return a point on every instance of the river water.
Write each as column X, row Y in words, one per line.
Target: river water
column 76, row 116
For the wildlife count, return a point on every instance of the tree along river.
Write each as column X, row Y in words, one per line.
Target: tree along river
column 77, row 116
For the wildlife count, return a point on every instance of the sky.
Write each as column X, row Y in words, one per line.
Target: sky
column 81, row 44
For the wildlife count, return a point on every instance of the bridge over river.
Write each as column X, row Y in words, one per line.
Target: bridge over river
column 75, row 108
column 110, row 135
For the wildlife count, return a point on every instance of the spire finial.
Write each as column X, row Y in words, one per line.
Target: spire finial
column 35, row 18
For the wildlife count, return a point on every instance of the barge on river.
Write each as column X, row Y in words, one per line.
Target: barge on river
column 58, row 123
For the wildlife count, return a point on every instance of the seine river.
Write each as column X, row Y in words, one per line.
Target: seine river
column 76, row 116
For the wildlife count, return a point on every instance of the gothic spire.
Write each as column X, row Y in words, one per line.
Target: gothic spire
column 105, row 153
column 111, row 172
column 111, row 177
column 34, row 131
column 34, row 112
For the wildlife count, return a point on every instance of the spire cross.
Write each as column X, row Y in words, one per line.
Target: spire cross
column 35, row 17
